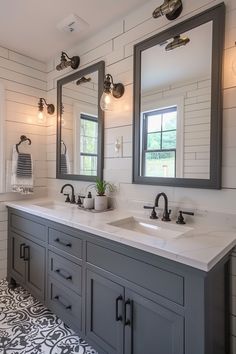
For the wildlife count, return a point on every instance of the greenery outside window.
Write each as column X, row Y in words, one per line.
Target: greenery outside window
column 159, row 142
column 88, row 144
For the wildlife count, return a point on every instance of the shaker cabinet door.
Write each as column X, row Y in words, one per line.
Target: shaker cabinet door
column 104, row 317
column 17, row 263
column 35, row 269
column 151, row 328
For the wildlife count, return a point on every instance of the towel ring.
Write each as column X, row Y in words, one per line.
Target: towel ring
column 23, row 138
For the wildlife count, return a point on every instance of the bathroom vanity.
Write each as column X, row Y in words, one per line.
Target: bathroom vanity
column 119, row 296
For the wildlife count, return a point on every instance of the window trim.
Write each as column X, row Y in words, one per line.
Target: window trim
column 145, row 133
column 91, row 118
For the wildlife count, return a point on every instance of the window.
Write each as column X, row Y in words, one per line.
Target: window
column 88, row 144
column 159, row 143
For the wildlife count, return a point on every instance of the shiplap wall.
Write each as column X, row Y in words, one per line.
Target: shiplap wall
column 24, row 80
column 115, row 45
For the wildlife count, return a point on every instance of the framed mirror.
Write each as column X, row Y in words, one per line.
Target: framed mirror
column 178, row 104
column 80, row 124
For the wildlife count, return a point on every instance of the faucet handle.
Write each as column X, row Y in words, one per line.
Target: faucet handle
column 67, row 197
column 180, row 219
column 153, row 213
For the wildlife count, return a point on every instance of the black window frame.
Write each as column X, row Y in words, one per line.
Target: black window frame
column 86, row 116
column 145, row 115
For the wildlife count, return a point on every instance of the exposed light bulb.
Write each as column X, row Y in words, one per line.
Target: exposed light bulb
column 107, row 101
column 41, row 117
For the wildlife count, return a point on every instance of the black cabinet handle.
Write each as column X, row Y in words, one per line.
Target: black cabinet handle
column 22, row 250
column 118, row 317
column 67, row 307
column 26, row 256
column 129, row 321
column 62, row 243
column 58, row 271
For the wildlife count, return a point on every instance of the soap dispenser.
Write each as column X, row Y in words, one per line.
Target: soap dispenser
column 89, row 201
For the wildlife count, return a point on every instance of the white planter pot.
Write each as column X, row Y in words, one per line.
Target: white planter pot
column 101, row 202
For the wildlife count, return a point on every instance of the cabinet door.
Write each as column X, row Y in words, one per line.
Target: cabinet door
column 151, row 328
column 35, row 269
column 104, row 313
column 17, row 263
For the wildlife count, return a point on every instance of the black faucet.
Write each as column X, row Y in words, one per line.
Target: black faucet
column 166, row 213
column 68, row 200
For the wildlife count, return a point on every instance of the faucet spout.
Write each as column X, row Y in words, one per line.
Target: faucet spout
column 166, row 213
column 72, row 191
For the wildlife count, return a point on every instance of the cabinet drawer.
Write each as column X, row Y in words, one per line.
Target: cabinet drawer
column 28, row 227
column 65, row 242
column 164, row 283
column 65, row 303
column 67, row 272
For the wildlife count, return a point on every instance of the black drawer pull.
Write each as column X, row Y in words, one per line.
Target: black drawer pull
column 67, row 307
column 62, row 243
column 27, row 256
column 58, row 271
column 118, row 317
column 22, row 250
column 128, row 321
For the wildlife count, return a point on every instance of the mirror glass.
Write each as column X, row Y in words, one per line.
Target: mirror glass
column 80, row 131
column 177, row 105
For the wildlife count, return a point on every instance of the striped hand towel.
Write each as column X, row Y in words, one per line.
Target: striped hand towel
column 24, row 165
column 22, row 172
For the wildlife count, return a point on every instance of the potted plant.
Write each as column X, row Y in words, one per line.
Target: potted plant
column 101, row 200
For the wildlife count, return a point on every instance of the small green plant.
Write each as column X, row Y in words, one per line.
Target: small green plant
column 101, row 186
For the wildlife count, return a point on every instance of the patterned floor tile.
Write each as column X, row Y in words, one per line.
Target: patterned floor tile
column 27, row 327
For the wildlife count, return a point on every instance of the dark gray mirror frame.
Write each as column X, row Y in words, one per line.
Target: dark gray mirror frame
column 100, row 67
column 215, row 14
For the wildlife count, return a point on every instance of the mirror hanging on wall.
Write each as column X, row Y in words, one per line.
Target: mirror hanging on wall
column 80, row 130
column 178, row 104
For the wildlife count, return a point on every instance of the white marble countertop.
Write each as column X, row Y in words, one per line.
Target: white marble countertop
column 202, row 244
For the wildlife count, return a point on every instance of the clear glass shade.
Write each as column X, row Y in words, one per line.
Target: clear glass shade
column 41, row 117
column 107, row 101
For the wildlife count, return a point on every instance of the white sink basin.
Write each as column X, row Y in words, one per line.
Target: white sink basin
column 52, row 205
column 159, row 229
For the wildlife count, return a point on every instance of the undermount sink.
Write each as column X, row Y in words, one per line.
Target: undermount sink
column 157, row 228
column 52, row 205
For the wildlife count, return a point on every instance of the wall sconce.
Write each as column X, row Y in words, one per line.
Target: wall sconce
column 177, row 42
column 50, row 109
column 170, row 8
column 73, row 62
column 83, row 80
column 110, row 92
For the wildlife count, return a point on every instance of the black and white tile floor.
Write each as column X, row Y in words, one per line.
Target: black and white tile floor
column 27, row 327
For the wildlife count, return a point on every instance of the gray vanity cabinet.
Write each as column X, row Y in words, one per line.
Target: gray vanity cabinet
column 104, row 313
column 122, row 321
column 120, row 299
column 27, row 253
column 17, row 262
column 151, row 328
column 28, row 264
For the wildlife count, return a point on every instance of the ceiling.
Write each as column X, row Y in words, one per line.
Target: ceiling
column 161, row 68
column 30, row 27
